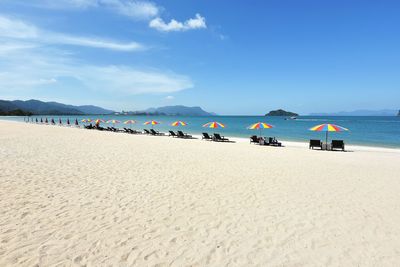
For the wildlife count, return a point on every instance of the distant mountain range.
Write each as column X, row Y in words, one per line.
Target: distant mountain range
column 174, row 110
column 48, row 108
column 361, row 112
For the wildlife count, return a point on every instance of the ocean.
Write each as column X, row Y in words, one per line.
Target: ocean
column 365, row 130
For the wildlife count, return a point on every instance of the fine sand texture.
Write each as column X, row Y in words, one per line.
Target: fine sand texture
column 75, row 197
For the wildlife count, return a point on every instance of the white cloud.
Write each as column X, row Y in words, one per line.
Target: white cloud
column 170, row 97
column 132, row 81
column 19, row 30
column 49, row 67
column 136, row 9
column 159, row 24
column 133, row 9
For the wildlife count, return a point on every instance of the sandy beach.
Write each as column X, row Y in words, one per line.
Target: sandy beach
column 75, row 197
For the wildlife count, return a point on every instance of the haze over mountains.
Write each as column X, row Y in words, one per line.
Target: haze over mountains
column 53, row 108
column 361, row 112
column 180, row 110
column 50, row 108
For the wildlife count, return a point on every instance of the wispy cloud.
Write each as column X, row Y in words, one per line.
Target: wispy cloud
column 51, row 67
column 136, row 9
column 198, row 22
column 14, row 29
column 133, row 9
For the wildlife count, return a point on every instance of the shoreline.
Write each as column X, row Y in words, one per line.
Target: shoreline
column 286, row 143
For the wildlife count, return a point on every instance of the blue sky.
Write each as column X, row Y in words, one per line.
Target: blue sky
column 229, row 57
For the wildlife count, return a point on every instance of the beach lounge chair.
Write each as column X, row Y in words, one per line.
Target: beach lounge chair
column 153, row 132
column 273, row 142
column 315, row 143
column 219, row 138
column 206, row 136
column 337, row 144
column 183, row 135
column 173, row 134
column 146, row 131
column 254, row 139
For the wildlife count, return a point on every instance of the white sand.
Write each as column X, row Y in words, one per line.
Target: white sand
column 80, row 197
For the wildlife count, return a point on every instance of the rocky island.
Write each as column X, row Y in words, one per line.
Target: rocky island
column 281, row 112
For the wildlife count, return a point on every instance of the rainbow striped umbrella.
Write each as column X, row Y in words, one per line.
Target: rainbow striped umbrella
column 259, row 126
column 152, row 123
column 129, row 122
column 113, row 122
column 86, row 120
column 327, row 127
column 179, row 123
column 214, row 124
column 98, row 121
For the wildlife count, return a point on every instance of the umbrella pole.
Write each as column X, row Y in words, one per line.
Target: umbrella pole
column 327, row 138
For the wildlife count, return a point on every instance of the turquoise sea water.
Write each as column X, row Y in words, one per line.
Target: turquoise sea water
column 371, row 131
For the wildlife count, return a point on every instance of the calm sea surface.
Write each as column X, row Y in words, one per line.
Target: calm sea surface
column 371, row 131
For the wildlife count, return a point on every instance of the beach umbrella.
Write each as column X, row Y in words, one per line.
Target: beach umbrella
column 86, row 120
column 113, row 122
column 130, row 122
column 260, row 126
column 46, row 121
column 327, row 127
column 178, row 123
column 98, row 121
column 152, row 123
column 68, row 122
column 76, row 122
column 41, row 120
column 59, row 121
column 37, row 120
column 214, row 124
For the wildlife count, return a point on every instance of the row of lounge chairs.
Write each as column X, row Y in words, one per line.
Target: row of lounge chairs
column 270, row 141
column 264, row 141
column 216, row 137
column 335, row 144
column 179, row 134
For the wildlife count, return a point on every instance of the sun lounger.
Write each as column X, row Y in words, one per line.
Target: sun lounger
column 219, row 138
column 337, row 144
column 273, row 142
column 173, row 134
column 183, row 135
column 206, row 136
column 315, row 143
column 146, row 131
column 254, row 139
column 153, row 132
